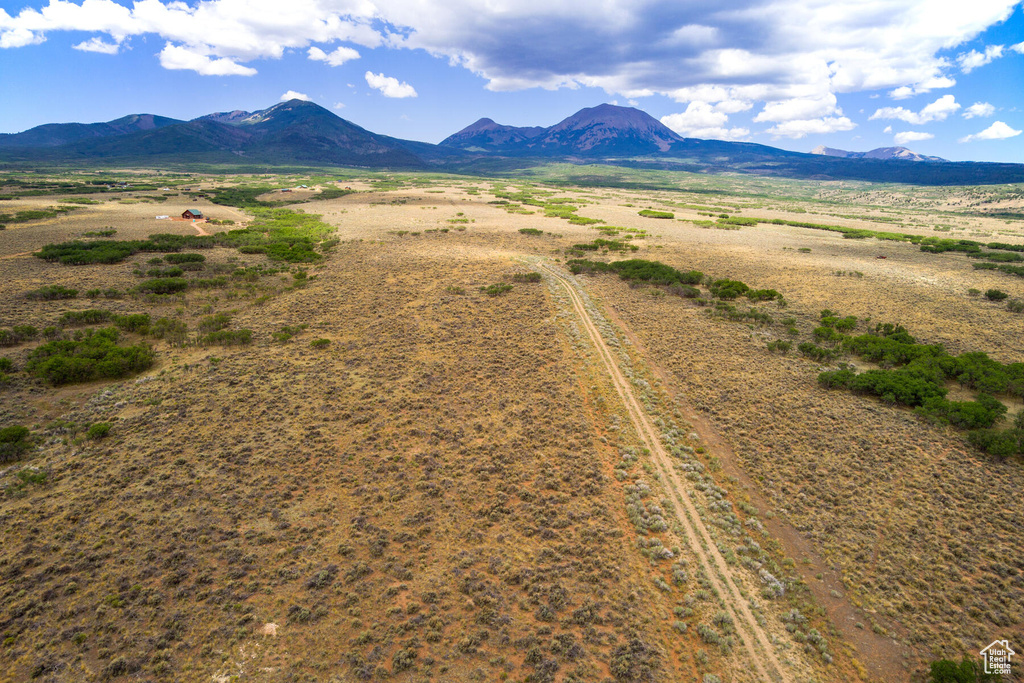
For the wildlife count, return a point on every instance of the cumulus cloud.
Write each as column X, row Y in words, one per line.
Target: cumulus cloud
column 177, row 57
column 389, row 86
column 939, row 110
column 335, row 58
column 979, row 109
column 969, row 61
column 802, row 128
column 702, row 120
column 1019, row 47
column 906, row 91
column 19, row 37
column 997, row 131
column 98, row 45
column 807, row 51
column 293, row 95
column 911, row 136
column 798, row 109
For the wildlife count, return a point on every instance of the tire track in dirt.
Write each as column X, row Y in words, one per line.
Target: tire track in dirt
column 752, row 635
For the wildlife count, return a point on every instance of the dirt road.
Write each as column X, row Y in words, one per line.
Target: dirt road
column 752, row 636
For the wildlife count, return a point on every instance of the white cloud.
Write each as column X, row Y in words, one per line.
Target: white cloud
column 939, row 110
column 801, row 128
column 997, row 131
column 98, row 45
column 792, row 56
column 339, row 105
column 980, row 109
column 293, row 95
column 19, row 37
column 911, row 136
column 702, row 120
column 336, row 58
column 389, row 86
column 177, row 57
column 887, row 130
column 798, row 109
column 1019, row 47
column 969, row 61
column 937, row 83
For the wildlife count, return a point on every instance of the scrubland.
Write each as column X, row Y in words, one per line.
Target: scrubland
column 379, row 463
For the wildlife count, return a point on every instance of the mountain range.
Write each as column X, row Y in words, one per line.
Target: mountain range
column 298, row 132
column 879, row 153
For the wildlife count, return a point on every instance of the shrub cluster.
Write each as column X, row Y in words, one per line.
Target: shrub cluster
column 227, row 338
column 496, row 289
column 17, row 334
column 89, row 355
column 13, row 442
column 651, row 213
column 52, row 293
column 641, row 270
column 77, row 253
column 915, row 374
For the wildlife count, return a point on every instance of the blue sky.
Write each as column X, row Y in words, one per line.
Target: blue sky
column 941, row 77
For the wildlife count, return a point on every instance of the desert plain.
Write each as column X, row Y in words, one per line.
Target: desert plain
column 406, row 471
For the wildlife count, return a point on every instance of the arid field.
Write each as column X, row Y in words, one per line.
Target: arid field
column 352, row 455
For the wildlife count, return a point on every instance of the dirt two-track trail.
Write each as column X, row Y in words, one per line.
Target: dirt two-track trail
column 752, row 636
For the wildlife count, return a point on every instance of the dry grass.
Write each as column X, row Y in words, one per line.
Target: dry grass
column 440, row 493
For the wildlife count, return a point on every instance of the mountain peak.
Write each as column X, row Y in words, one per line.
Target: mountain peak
column 609, row 125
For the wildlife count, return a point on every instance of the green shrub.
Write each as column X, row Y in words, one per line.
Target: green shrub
column 995, row 295
column 496, row 289
column 174, row 271
column 1015, row 305
column 6, row 364
column 815, row 352
column 999, row 443
column 100, row 430
column 966, row 671
column 531, row 231
column 92, row 316
column 762, row 294
column 168, row 285
column 178, row 259
column 685, row 291
column 981, row 413
column 13, row 442
column 52, row 293
column 728, row 289
column 651, row 213
column 91, row 355
column 527, row 277
column 17, row 334
column 213, row 323
column 133, row 322
column 319, row 343
column 780, row 346
column 227, row 338
column 170, row 330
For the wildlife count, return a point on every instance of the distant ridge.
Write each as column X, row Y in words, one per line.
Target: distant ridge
column 882, row 153
column 57, row 134
column 301, row 133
